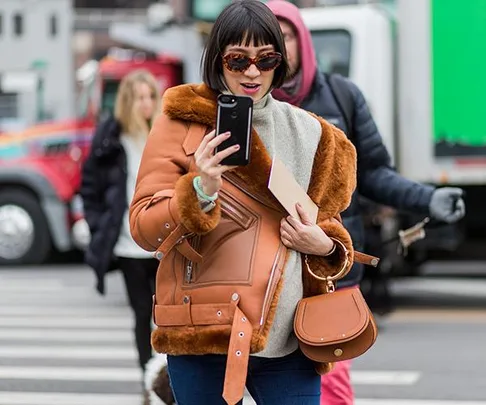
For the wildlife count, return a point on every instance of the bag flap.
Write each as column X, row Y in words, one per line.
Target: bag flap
column 331, row 318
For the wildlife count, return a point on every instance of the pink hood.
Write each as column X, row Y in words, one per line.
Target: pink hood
column 308, row 64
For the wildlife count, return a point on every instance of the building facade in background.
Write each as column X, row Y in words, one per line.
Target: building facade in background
column 36, row 65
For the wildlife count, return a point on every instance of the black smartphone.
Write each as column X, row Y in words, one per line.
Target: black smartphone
column 235, row 115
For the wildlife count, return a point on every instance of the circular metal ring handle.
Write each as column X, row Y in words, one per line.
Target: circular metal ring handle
column 340, row 273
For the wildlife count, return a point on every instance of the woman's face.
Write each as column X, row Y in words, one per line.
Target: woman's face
column 252, row 81
column 144, row 102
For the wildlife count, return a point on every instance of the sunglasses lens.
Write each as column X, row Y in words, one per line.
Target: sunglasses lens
column 269, row 62
column 238, row 63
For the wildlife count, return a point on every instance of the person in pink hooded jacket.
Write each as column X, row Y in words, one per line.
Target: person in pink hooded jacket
column 336, row 388
column 309, row 89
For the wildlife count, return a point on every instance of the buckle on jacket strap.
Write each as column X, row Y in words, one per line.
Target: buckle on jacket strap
column 178, row 239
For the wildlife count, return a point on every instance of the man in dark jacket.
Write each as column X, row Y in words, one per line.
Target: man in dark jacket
column 377, row 179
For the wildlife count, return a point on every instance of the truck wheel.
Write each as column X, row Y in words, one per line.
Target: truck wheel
column 24, row 232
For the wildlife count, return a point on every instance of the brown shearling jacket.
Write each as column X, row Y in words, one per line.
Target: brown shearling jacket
column 219, row 278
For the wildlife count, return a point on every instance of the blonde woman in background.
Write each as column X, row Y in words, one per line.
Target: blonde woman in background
column 108, row 182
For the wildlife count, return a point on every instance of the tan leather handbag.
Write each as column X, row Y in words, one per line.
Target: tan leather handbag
column 334, row 326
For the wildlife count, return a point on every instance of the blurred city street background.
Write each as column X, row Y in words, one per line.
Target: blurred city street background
column 420, row 65
column 60, row 343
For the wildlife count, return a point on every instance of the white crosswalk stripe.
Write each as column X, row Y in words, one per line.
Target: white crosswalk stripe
column 71, row 373
column 42, row 398
column 62, row 335
column 384, row 377
column 67, row 352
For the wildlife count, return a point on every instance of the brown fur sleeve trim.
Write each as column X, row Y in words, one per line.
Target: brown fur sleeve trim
column 189, row 209
column 325, row 266
column 333, row 178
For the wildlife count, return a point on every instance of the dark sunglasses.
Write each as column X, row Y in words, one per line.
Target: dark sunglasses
column 237, row 62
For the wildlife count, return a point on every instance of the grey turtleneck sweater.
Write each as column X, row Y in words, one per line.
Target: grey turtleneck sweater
column 293, row 135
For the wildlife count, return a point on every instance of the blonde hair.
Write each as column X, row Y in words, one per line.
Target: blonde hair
column 131, row 121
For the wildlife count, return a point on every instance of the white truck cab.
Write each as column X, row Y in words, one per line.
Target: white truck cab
column 357, row 42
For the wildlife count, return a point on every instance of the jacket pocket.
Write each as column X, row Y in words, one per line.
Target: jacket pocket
column 228, row 251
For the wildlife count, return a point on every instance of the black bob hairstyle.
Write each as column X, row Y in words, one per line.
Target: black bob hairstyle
column 242, row 21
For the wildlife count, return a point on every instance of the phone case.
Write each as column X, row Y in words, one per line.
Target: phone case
column 235, row 115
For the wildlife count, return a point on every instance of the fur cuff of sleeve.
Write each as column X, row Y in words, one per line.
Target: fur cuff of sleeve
column 325, row 266
column 189, row 208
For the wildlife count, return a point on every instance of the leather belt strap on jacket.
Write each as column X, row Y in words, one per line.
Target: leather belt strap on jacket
column 178, row 239
column 238, row 356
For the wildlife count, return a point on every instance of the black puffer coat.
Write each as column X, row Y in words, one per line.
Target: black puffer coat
column 103, row 190
column 377, row 179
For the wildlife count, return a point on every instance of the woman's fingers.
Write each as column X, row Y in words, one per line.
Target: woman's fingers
column 208, row 163
column 285, row 235
column 289, row 225
column 216, row 141
column 287, row 242
column 294, row 222
column 204, row 143
column 204, row 154
column 218, row 157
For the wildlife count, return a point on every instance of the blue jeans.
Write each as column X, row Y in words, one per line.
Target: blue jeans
column 289, row 380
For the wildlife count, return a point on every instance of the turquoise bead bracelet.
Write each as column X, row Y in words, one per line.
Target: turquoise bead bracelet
column 198, row 187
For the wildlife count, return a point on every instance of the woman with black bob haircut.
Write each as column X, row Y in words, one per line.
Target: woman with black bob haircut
column 233, row 263
column 242, row 25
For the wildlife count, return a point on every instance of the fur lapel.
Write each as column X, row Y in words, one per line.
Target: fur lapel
column 333, row 174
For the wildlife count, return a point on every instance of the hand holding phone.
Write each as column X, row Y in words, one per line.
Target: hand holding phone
column 209, row 164
column 235, row 116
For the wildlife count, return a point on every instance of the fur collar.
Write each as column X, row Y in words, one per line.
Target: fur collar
column 334, row 171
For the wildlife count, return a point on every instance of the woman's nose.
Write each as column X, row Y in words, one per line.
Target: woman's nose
column 252, row 71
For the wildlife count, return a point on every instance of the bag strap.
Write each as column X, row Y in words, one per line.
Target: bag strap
column 344, row 99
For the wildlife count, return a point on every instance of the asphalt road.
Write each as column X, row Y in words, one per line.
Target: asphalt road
column 61, row 343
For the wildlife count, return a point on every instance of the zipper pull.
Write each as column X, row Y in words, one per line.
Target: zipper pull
column 189, row 272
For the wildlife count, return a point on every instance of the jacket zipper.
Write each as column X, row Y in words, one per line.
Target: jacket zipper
column 189, row 268
column 272, row 285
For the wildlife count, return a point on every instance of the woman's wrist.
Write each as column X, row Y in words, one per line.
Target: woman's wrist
column 201, row 192
column 331, row 250
column 328, row 248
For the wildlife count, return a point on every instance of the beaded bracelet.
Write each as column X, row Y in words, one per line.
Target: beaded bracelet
column 198, row 187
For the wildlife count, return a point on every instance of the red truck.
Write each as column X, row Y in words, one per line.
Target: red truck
column 40, row 167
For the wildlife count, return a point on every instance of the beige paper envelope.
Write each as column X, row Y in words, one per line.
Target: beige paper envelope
column 288, row 192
